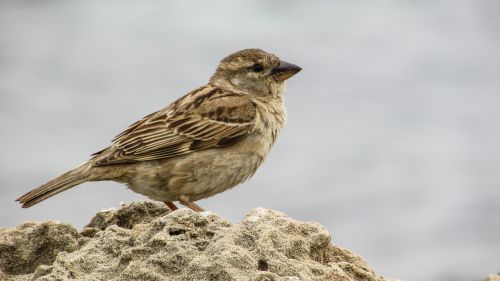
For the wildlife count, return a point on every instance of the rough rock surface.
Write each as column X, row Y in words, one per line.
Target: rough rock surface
column 31, row 245
column 144, row 241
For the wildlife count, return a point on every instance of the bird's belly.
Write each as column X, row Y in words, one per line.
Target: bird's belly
column 199, row 175
column 212, row 172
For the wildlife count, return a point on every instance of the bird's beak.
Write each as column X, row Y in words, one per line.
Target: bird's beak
column 285, row 70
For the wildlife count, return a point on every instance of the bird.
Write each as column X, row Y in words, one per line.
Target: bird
column 204, row 143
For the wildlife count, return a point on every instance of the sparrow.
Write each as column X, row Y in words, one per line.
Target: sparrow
column 204, row 143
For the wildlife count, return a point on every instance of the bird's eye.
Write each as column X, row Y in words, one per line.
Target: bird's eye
column 257, row 67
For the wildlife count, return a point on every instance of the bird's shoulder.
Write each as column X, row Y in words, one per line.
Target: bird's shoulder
column 215, row 103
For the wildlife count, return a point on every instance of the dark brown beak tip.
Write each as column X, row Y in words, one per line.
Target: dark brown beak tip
column 285, row 70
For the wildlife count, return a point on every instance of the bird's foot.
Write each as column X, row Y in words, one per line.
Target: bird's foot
column 171, row 206
column 184, row 200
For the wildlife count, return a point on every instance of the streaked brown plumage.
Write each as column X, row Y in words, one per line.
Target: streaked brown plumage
column 204, row 143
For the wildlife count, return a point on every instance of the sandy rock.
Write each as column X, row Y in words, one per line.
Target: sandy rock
column 125, row 217
column 30, row 245
column 143, row 241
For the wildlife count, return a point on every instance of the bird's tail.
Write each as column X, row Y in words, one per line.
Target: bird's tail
column 67, row 180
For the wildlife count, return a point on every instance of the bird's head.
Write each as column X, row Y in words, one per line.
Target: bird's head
column 253, row 71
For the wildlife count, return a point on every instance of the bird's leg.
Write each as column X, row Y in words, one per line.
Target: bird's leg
column 183, row 199
column 171, row 206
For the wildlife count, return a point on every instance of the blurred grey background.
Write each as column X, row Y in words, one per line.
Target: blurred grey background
column 393, row 137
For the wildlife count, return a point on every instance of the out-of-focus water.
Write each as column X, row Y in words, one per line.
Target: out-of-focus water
column 393, row 137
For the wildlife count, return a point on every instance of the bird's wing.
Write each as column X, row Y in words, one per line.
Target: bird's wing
column 208, row 117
